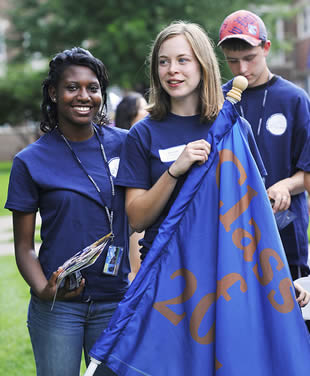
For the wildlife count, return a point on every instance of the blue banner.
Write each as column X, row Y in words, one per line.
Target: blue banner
column 213, row 296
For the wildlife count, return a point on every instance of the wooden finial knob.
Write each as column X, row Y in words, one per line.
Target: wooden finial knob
column 240, row 83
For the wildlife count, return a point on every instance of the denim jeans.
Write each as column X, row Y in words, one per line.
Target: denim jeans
column 58, row 336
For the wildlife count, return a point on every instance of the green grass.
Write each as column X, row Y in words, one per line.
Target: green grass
column 5, row 168
column 15, row 349
column 37, row 237
column 16, row 357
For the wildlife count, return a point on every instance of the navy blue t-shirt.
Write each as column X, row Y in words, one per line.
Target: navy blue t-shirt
column 152, row 146
column 281, row 140
column 46, row 177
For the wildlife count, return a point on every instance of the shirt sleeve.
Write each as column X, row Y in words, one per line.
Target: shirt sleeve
column 301, row 136
column 23, row 193
column 304, row 160
column 134, row 169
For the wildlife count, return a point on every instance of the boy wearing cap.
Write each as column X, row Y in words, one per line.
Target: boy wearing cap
column 279, row 114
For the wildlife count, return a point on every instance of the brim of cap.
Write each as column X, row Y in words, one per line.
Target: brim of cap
column 251, row 40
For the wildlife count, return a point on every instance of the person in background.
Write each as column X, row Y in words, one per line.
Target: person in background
column 279, row 114
column 68, row 176
column 131, row 109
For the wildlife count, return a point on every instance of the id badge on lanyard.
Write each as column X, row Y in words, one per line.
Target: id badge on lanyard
column 113, row 260
column 114, row 253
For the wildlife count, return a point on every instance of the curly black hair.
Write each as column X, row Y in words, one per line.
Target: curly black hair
column 75, row 56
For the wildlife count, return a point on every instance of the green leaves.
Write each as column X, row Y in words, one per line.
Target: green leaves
column 20, row 92
column 119, row 32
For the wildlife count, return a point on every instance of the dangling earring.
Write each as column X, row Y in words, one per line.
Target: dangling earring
column 54, row 100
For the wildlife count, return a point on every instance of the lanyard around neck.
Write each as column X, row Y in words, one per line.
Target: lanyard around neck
column 109, row 212
column 262, row 108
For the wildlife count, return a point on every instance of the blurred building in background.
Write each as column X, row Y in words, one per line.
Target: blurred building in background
column 4, row 27
column 294, row 64
column 12, row 139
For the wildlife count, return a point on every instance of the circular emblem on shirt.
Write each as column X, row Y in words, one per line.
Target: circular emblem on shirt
column 276, row 124
column 113, row 166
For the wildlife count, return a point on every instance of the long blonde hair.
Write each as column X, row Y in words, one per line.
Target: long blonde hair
column 211, row 95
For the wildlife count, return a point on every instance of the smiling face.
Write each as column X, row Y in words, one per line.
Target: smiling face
column 179, row 73
column 78, row 98
column 250, row 63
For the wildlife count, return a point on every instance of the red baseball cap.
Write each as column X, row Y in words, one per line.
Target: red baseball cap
column 243, row 25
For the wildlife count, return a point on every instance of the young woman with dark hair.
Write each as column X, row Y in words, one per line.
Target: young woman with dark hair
column 68, row 176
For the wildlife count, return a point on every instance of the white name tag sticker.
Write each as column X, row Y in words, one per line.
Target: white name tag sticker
column 170, row 154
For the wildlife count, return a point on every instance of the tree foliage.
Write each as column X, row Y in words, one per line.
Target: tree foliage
column 20, row 93
column 119, row 32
